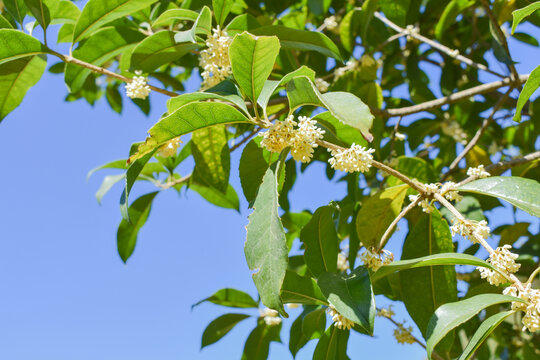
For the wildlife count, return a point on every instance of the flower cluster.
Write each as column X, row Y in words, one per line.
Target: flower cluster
column 170, row 147
column 386, row 312
column 502, row 259
column 342, row 264
column 374, row 260
column 425, row 204
column 531, row 320
column 475, row 231
column 478, row 172
column 431, row 188
column 399, row 136
column 302, row 140
column 270, row 317
column 356, row 158
column 349, row 65
column 137, row 88
column 403, row 335
column 321, row 85
column 452, row 129
column 215, row 60
column 411, row 30
column 449, row 191
column 331, row 23
column 340, row 321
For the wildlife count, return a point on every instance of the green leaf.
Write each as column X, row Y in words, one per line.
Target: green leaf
column 297, row 289
column 231, row 97
column 116, row 164
column 344, row 134
column 157, row 50
column 319, row 7
column 258, row 342
column 4, row 23
column 351, row 295
column 222, row 9
column 532, row 84
column 450, row 316
column 252, row 61
column 170, row 16
column 64, row 12
column 332, row 345
column 348, row 28
column 107, row 184
column 521, row 192
column 483, row 332
column 378, row 212
column 266, row 245
column 17, row 9
column 346, row 107
column 321, row 241
column 202, row 25
column 40, row 11
column 212, row 158
column 520, row 14
column 415, row 168
column 132, row 173
column 301, row 40
column 253, row 166
column 297, row 340
column 314, row 324
column 448, row 17
column 15, row 44
column 424, row 289
column 220, row 327
column 396, row 10
column 241, row 23
column 126, row 236
column 16, row 78
column 227, row 200
column 188, row 118
column 97, row 13
column 437, row 259
column 103, row 46
column 230, row 298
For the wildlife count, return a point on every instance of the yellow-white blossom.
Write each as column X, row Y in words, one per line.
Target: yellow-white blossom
column 356, row 158
column 293, row 306
column 279, row 135
column 478, row 172
column 431, row 188
column 531, row 319
column 331, row 23
column 386, row 312
column 270, row 317
column 502, row 259
column 342, row 264
column 340, row 321
column 214, row 60
column 374, row 260
column 475, row 231
column 403, row 335
column 452, row 129
column 449, row 191
column 137, row 88
column 170, row 147
column 321, row 85
column 411, row 30
column 425, row 204
column 349, row 65
column 399, row 136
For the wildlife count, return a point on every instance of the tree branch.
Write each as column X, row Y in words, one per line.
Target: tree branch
column 394, row 223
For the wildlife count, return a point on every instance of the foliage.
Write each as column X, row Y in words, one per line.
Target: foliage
column 291, row 72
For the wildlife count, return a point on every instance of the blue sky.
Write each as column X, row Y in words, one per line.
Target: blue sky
column 65, row 292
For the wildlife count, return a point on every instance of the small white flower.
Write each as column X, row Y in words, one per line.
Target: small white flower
column 293, row 306
column 475, row 231
column 425, row 204
column 399, row 136
column 374, row 260
column 340, row 321
column 214, row 59
column 322, row 85
column 356, row 158
column 431, row 188
column 270, row 317
column 342, row 264
column 137, row 88
column 170, row 147
column 449, row 191
column 349, row 65
column 331, row 23
column 531, row 319
column 386, row 312
column 279, row 135
column 403, row 335
column 502, row 259
column 411, row 30
column 452, row 129
column 478, row 172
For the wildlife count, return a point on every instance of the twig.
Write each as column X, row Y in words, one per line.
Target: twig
column 478, row 134
column 452, row 53
column 433, row 104
column 394, row 223
column 245, row 139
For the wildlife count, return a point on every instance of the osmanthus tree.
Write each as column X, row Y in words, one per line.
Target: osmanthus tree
column 290, row 83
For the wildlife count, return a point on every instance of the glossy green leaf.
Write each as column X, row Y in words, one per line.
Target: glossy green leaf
column 314, row 324
column 212, row 158
column 332, row 345
column 321, row 241
column 252, row 61
column 132, row 173
column 258, row 342
column 483, row 332
column 241, row 23
column 378, row 212
column 170, row 16
column 126, row 236
column 157, row 50
column 415, row 168
column 449, row 316
column 532, row 84
column 63, row 12
column 448, row 17
column 220, row 327
column 396, row 10
column 227, row 200
column 297, row 340
column 344, row 134
column 202, row 25
column 266, row 245
column 301, row 40
column 346, row 107
column 253, row 166
column 116, row 164
column 15, row 44
column 4, row 23
column 103, row 46
column 97, row 13
column 233, row 98
column 521, row 192
column 437, row 259
column 40, row 11
column 17, row 9
column 424, row 289
column 107, row 184
column 348, row 28
column 222, row 8
column 297, row 289
column 520, row 14
column 351, row 295
column 16, row 78
column 230, row 298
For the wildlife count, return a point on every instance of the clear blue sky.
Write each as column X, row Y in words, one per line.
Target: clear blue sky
column 65, row 292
